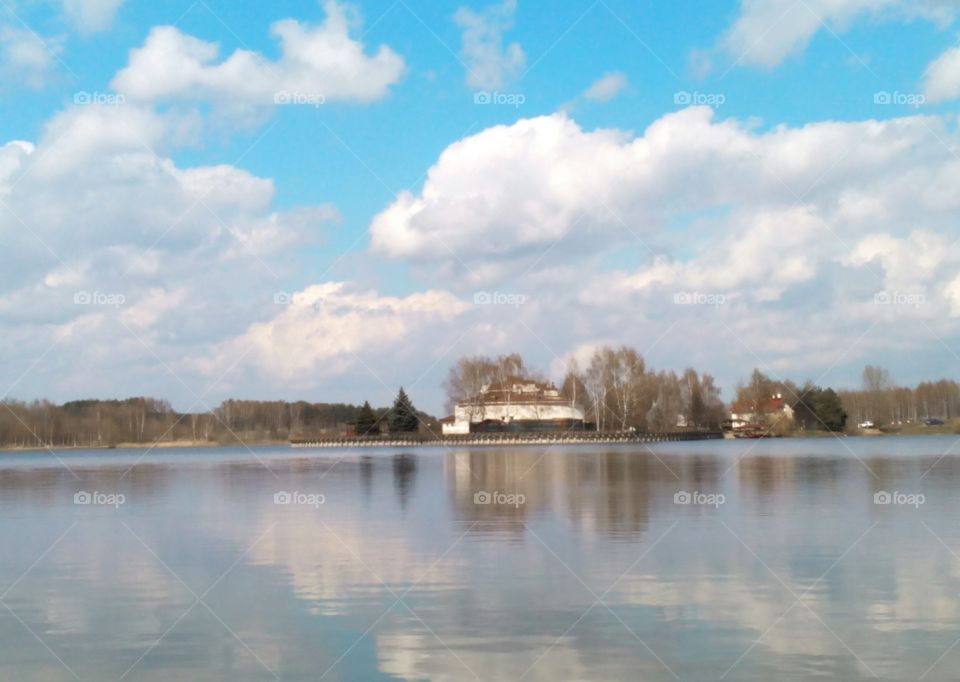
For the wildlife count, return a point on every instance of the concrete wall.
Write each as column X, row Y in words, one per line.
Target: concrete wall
column 500, row 412
column 456, row 429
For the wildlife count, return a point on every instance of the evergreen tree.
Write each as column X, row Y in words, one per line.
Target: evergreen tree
column 830, row 410
column 805, row 408
column 819, row 408
column 403, row 416
column 366, row 421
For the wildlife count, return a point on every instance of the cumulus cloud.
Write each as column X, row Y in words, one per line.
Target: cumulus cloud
column 12, row 157
column 90, row 16
column 510, row 192
column 941, row 82
column 115, row 240
column 768, row 31
column 27, row 57
column 490, row 64
column 327, row 329
column 606, row 87
column 317, row 63
column 759, row 226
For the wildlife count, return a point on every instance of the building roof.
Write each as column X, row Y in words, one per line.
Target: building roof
column 773, row 404
column 517, row 390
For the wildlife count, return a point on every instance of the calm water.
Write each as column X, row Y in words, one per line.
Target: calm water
column 388, row 565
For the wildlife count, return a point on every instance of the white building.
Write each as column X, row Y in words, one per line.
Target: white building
column 522, row 403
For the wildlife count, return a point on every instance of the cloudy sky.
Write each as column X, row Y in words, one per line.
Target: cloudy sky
column 202, row 199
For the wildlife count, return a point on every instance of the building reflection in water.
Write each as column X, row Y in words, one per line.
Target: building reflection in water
column 607, row 492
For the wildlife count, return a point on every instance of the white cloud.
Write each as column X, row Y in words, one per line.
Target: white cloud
column 317, row 63
column 111, row 237
column 768, row 31
column 490, row 65
column 788, row 223
column 941, row 81
column 509, row 193
column 91, row 16
column 606, row 87
column 12, row 156
column 27, row 57
column 327, row 329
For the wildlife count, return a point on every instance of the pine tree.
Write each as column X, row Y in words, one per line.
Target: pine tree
column 830, row 411
column 403, row 416
column 366, row 421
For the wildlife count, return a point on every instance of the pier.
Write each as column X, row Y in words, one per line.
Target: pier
column 474, row 439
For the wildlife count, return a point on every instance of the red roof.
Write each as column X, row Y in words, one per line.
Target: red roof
column 774, row 404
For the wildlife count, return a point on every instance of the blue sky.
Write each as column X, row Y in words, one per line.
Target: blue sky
column 784, row 97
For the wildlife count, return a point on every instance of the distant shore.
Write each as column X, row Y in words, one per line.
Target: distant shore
column 162, row 445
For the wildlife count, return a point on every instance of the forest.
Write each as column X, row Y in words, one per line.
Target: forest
column 148, row 420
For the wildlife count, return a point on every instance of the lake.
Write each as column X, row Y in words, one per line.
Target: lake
column 793, row 559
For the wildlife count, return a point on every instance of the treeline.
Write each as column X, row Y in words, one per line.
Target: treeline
column 87, row 422
column 148, row 420
column 881, row 401
column 615, row 388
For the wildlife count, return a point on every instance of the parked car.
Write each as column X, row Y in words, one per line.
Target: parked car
column 933, row 421
column 867, row 424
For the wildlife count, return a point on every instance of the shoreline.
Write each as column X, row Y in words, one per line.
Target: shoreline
column 162, row 445
column 171, row 445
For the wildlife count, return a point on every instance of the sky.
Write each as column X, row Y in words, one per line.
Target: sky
column 326, row 201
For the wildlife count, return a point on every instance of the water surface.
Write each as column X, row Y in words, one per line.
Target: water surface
column 584, row 565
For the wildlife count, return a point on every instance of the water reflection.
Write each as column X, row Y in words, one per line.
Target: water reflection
column 404, row 474
column 797, row 575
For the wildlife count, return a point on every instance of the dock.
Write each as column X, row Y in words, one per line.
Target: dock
column 478, row 439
